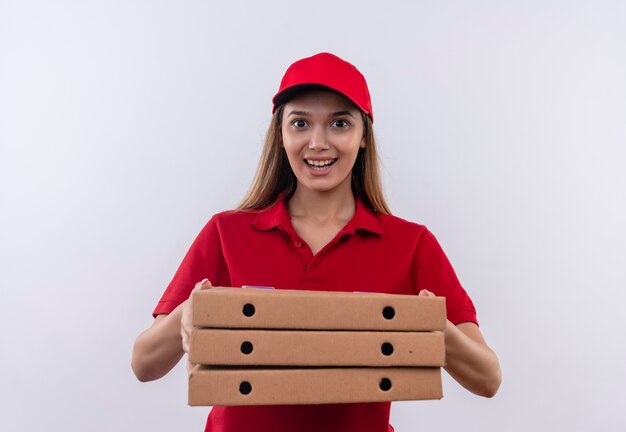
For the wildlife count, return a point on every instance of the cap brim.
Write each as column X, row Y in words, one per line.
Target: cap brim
column 287, row 94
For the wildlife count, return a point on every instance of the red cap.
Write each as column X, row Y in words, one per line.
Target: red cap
column 325, row 70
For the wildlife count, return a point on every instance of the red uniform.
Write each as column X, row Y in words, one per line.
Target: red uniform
column 372, row 253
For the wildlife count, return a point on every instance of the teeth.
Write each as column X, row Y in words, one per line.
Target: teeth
column 319, row 164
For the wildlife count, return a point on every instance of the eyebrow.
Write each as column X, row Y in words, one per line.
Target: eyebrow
column 335, row 114
column 342, row 113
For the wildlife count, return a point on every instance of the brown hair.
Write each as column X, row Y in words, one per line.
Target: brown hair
column 274, row 176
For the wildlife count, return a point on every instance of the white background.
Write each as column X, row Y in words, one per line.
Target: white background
column 124, row 125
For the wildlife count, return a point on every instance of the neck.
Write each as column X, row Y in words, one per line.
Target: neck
column 338, row 203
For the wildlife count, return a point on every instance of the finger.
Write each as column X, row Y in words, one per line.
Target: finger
column 186, row 320
column 185, row 325
column 199, row 284
column 185, row 345
column 425, row 293
column 190, row 366
column 203, row 284
column 184, row 334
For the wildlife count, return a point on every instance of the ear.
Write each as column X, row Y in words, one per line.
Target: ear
column 362, row 145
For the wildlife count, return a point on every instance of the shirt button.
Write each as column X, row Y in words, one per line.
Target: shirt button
column 298, row 243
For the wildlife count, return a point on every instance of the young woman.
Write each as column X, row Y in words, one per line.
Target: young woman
column 315, row 218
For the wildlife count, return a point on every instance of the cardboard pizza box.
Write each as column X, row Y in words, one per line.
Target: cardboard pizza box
column 316, row 348
column 209, row 386
column 223, row 307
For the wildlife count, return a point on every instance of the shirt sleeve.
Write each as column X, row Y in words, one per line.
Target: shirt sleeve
column 204, row 259
column 434, row 272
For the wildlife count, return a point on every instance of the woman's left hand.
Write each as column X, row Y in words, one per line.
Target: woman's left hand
column 469, row 360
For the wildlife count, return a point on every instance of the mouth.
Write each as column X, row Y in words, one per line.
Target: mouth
column 320, row 164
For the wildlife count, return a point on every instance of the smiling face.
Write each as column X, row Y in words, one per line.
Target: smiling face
column 322, row 133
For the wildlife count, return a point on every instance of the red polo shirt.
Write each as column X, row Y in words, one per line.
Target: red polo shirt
column 372, row 253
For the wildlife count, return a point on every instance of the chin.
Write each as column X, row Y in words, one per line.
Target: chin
column 323, row 187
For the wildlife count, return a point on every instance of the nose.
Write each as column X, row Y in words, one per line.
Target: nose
column 318, row 140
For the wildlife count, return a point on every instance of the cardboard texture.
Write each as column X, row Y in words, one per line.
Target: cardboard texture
column 272, row 347
column 213, row 386
column 222, row 307
column 316, row 348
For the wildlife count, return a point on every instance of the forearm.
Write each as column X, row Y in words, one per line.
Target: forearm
column 470, row 361
column 159, row 348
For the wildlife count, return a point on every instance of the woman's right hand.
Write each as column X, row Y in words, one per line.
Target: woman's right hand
column 186, row 319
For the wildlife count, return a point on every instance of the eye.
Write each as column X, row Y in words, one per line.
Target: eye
column 299, row 123
column 340, row 123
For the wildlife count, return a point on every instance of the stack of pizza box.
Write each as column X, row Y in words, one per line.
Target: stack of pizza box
column 265, row 347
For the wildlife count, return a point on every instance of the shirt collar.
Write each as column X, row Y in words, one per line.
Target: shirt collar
column 277, row 216
column 272, row 217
